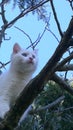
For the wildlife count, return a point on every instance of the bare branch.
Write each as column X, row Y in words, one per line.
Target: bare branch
column 49, row 106
column 4, row 64
column 63, row 62
column 34, row 44
column 56, row 19
column 3, row 15
column 26, row 35
column 53, row 34
column 3, row 2
column 2, row 34
column 2, row 31
column 66, row 67
column 39, row 37
column 63, row 84
column 24, row 12
column 66, row 109
column 71, row 3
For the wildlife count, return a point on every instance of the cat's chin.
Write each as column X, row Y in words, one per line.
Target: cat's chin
column 30, row 62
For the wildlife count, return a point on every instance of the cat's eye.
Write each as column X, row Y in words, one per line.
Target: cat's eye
column 24, row 54
column 33, row 56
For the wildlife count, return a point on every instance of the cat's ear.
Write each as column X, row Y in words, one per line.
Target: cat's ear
column 16, row 48
column 36, row 51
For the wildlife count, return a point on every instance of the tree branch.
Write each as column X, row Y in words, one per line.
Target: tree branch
column 24, row 12
column 53, row 34
column 3, row 15
column 56, row 19
column 4, row 64
column 26, row 35
column 49, row 106
column 63, row 84
column 66, row 67
column 63, row 62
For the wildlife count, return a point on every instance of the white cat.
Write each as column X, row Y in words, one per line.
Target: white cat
column 23, row 64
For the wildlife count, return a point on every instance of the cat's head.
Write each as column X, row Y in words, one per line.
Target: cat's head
column 24, row 60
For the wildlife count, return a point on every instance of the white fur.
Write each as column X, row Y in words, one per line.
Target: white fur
column 15, row 79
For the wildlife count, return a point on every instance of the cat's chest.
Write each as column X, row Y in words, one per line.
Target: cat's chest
column 12, row 85
column 17, row 84
column 15, row 88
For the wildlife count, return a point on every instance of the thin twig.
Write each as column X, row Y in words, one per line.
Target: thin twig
column 40, row 36
column 71, row 3
column 53, row 34
column 56, row 19
column 26, row 35
column 49, row 106
column 65, row 76
column 3, row 2
column 63, row 62
column 3, row 15
column 2, row 31
column 4, row 64
column 63, row 110
column 24, row 12
column 63, row 84
column 34, row 44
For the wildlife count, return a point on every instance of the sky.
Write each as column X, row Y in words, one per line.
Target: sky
column 33, row 28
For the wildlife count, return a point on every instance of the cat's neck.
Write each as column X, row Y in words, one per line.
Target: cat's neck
column 19, row 74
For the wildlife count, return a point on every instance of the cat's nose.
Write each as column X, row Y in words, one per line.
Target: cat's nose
column 30, row 58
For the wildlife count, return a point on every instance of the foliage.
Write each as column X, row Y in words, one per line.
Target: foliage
column 27, row 4
column 60, row 117
column 24, row 4
column 41, row 11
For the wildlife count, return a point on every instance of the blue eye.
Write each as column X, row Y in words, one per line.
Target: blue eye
column 33, row 56
column 24, row 54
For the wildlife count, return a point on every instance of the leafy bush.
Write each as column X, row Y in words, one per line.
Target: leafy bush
column 60, row 117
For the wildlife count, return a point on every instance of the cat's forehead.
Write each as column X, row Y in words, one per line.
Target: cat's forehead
column 28, row 51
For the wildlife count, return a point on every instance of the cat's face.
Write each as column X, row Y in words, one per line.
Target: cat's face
column 24, row 60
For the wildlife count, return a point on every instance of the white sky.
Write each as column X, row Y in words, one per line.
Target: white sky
column 33, row 28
